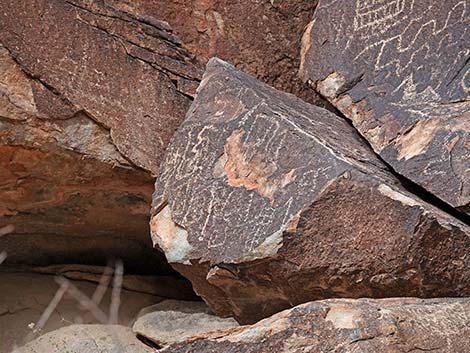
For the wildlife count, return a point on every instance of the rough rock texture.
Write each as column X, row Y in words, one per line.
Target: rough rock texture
column 130, row 76
column 89, row 95
column 260, row 37
column 265, row 202
column 349, row 326
column 87, row 339
column 172, row 321
column 24, row 297
column 400, row 71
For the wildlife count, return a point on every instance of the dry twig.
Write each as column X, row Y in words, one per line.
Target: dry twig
column 116, row 293
column 7, row 229
column 84, row 301
column 3, row 256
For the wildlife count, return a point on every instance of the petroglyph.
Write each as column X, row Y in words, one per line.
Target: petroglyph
column 402, row 78
column 373, row 13
column 251, row 165
column 265, row 201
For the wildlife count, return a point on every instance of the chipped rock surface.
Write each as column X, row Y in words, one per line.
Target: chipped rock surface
column 349, row 326
column 89, row 98
column 172, row 321
column 24, row 296
column 403, row 79
column 265, row 202
column 87, row 339
column 260, row 37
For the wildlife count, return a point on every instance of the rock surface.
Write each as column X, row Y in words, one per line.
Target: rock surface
column 129, row 76
column 25, row 296
column 87, row 339
column 172, row 321
column 403, row 79
column 349, row 326
column 260, row 37
column 265, row 202
column 89, row 98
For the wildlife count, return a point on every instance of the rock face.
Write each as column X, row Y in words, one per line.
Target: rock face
column 260, row 37
column 24, row 297
column 90, row 96
column 172, row 321
column 403, row 79
column 349, row 326
column 87, row 339
column 265, row 202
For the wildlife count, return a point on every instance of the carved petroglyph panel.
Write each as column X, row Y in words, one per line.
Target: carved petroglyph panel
column 257, row 174
column 372, row 13
column 404, row 66
column 250, row 168
column 245, row 163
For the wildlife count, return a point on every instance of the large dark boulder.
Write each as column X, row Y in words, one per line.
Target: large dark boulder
column 265, row 202
column 400, row 71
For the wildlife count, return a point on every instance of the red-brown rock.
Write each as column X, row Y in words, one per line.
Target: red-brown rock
column 129, row 76
column 89, row 98
column 260, row 37
column 265, row 202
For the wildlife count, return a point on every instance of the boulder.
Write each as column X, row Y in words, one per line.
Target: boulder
column 87, row 339
column 348, row 326
column 90, row 96
column 402, row 77
column 260, row 37
column 265, row 202
column 172, row 321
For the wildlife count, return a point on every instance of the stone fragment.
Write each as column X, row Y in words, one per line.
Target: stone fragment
column 400, row 71
column 172, row 321
column 265, row 202
column 89, row 98
column 348, row 326
column 87, row 339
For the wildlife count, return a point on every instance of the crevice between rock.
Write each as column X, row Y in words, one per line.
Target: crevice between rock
column 166, row 37
column 407, row 183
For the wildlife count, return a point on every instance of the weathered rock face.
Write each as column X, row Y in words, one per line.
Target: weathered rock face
column 260, row 37
column 265, row 202
column 88, row 339
column 24, row 297
column 402, row 77
column 90, row 95
column 129, row 76
column 172, row 321
column 349, row 326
